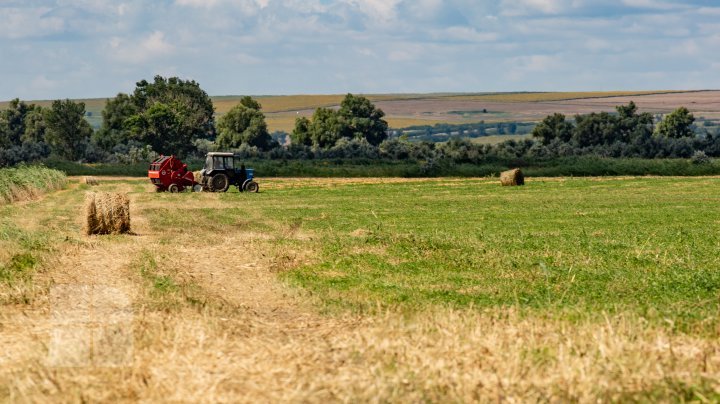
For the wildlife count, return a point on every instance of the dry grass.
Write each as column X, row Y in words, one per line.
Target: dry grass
column 511, row 178
column 555, row 96
column 106, row 213
column 92, row 181
column 211, row 324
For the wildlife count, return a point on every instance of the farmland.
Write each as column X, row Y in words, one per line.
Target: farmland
column 405, row 110
column 371, row 289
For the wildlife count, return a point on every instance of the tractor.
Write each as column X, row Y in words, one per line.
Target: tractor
column 225, row 169
column 168, row 173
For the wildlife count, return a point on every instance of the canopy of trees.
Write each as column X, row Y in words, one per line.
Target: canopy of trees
column 244, row 124
column 357, row 118
column 168, row 114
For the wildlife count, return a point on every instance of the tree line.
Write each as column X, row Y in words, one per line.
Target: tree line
column 174, row 116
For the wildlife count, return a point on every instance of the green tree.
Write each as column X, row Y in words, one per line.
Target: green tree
column 594, row 129
column 553, row 127
column 35, row 126
column 244, row 124
column 114, row 129
column 301, row 133
column 67, row 130
column 174, row 111
column 12, row 123
column 362, row 120
column 631, row 125
column 326, row 127
column 677, row 124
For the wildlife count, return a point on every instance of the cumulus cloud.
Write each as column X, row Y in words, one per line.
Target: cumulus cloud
column 294, row 46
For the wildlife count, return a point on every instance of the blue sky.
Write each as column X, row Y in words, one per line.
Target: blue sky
column 97, row 48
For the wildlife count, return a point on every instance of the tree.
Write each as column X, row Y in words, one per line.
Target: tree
column 362, row 120
column 553, row 127
column 594, row 129
column 35, row 126
column 114, row 129
column 244, row 124
column 301, row 134
column 12, row 123
column 326, row 128
column 175, row 112
column 67, row 130
column 677, row 124
column 630, row 125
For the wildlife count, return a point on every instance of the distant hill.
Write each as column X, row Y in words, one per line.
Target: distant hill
column 404, row 110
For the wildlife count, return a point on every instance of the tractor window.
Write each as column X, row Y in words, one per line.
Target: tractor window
column 209, row 163
column 229, row 163
column 218, row 163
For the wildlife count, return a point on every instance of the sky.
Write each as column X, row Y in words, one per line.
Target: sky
column 53, row 49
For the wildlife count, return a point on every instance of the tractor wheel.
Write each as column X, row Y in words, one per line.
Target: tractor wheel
column 174, row 188
column 252, row 186
column 219, row 183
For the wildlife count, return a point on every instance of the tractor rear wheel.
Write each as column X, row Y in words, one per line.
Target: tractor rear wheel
column 252, row 186
column 219, row 183
column 174, row 188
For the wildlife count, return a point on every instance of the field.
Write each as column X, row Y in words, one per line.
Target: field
column 404, row 110
column 452, row 290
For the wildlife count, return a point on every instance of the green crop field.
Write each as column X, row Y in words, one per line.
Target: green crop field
column 567, row 289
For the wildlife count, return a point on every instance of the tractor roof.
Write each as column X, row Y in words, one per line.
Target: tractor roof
column 221, row 154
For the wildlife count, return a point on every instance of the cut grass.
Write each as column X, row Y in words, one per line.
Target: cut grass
column 571, row 249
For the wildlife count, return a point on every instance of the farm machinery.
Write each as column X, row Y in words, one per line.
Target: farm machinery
column 221, row 171
column 168, row 173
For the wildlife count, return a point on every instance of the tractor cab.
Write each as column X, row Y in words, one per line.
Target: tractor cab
column 222, row 170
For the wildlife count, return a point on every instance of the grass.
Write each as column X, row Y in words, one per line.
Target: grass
column 496, row 139
column 574, row 249
column 575, row 166
column 27, row 182
column 459, row 290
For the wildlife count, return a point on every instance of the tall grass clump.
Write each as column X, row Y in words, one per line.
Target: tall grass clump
column 28, row 182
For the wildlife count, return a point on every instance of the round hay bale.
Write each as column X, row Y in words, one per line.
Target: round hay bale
column 106, row 213
column 92, row 181
column 512, row 178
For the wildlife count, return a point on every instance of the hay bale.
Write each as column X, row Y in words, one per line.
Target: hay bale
column 198, row 176
column 512, row 178
column 92, row 181
column 106, row 213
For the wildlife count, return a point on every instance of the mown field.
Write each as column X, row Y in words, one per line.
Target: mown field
column 567, row 289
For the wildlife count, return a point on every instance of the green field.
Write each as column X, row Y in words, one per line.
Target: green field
column 566, row 289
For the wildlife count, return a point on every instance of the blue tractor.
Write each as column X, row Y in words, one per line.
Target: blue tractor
column 222, row 170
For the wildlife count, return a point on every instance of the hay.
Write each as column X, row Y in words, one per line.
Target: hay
column 106, row 213
column 92, row 181
column 512, row 178
column 198, row 176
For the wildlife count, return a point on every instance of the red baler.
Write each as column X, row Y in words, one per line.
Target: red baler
column 168, row 173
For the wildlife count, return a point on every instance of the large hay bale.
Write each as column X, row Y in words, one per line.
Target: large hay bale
column 107, row 213
column 92, row 181
column 512, row 178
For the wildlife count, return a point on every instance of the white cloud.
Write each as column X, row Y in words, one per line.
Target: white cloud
column 152, row 47
column 18, row 23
